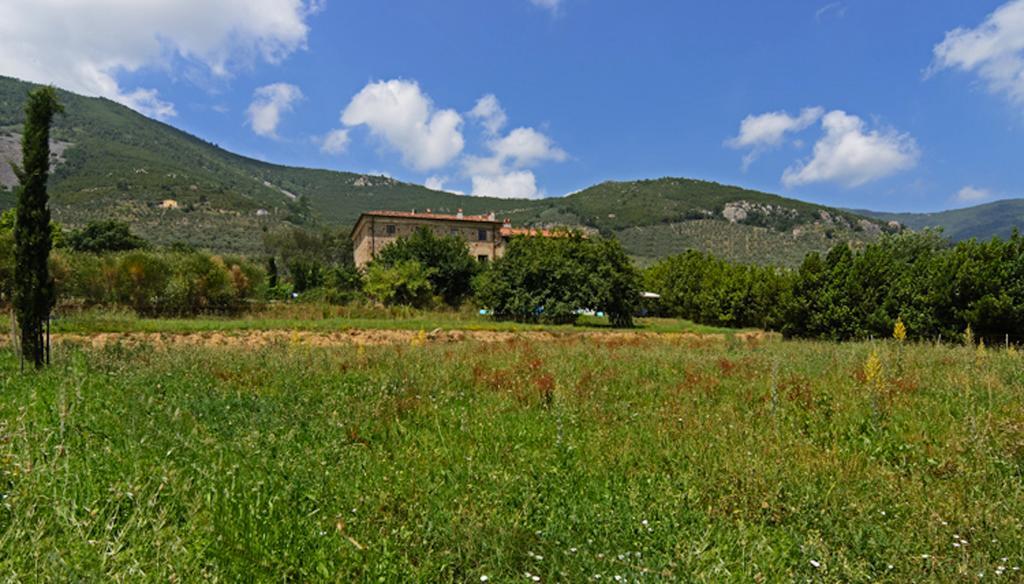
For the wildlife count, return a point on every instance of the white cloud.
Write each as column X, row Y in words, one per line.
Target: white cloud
column 401, row 115
column 86, row 46
column 525, row 147
column 521, row 148
column 766, row 131
column 552, row 5
column 519, row 184
column 832, row 8
column 335, row 142
column 994, row 50
column 268, row 103
column 404, row 118
column 971, row 194
column 502, row 174
column 488, row 111
column 436, row 183
column 851, row 156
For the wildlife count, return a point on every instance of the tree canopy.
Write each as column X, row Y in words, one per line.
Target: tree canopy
column 104, row 236
column 553, row 279
column 451, row 268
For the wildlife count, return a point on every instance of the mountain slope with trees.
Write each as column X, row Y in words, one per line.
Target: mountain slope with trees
column 171, row 187
column 998, row 219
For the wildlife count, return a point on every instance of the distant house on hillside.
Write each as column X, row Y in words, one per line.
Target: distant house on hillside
column 486, row 235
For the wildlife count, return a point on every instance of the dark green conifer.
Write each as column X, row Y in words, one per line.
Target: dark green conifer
column 33, row 286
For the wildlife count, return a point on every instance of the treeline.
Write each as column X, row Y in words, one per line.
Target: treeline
column 936, row 289
column 540, row 279
column 158, row 283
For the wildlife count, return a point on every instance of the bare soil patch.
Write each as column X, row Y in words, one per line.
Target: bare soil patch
column 369, row 337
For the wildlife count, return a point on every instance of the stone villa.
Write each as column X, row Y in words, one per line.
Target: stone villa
column 486, row 235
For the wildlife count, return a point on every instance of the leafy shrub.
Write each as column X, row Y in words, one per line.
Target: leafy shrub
column 104, row 236
column 84, row 277
column 406, row 282
column 141, row 281
column 158, row 283
column 447, row 258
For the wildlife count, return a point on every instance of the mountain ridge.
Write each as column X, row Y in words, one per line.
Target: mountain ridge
column 984, row 221
column 172, row 186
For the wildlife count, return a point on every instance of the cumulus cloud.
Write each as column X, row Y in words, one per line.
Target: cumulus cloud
column 972, row 195
column 489, row 113
column 335, row 142
column 766, row 131
column 268, row 103
column 86, row 46
column 994, row 50
column 851, row 155
column 404, row 118
column 518, row 184
column 502, row 173
column 526, row 146
column 399, row 114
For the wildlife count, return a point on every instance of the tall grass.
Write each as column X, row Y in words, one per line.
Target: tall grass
column 650, row 460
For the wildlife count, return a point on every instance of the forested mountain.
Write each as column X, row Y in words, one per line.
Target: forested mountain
column 111, row 162
column 999, row 218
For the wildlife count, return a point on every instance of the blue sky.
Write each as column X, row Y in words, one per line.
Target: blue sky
column 910, row 105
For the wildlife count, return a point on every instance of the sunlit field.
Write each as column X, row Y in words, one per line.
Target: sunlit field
column 601, row 458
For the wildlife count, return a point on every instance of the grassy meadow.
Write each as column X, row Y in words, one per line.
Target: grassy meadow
column 663, row 458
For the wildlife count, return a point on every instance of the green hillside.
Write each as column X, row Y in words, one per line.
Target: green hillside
column 111, row 162
column 981, row 222
column 118, row 163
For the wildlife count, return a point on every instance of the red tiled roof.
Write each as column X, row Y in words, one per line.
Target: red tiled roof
column 437, row 216
column 530, row 232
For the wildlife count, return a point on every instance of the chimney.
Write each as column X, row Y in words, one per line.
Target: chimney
column 508, row 223
column 491, row 216
column 459, row 214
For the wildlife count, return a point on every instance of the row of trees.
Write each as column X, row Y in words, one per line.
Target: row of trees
column 539, row 279
column 158, row 283
column 549, row 280
column 702, row 288
column 935, row 288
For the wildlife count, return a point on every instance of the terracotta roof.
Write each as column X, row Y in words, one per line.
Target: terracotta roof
column 436, row 216
column 531, row 232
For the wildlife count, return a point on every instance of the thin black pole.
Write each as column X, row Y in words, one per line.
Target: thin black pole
column 47, row 340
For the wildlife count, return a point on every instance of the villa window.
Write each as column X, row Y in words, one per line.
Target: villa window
column 390, row 229
column 481, row 234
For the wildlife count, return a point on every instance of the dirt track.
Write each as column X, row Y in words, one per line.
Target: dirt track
column 368, row 337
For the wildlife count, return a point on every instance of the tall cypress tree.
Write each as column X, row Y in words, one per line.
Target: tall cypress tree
column 33, row 286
